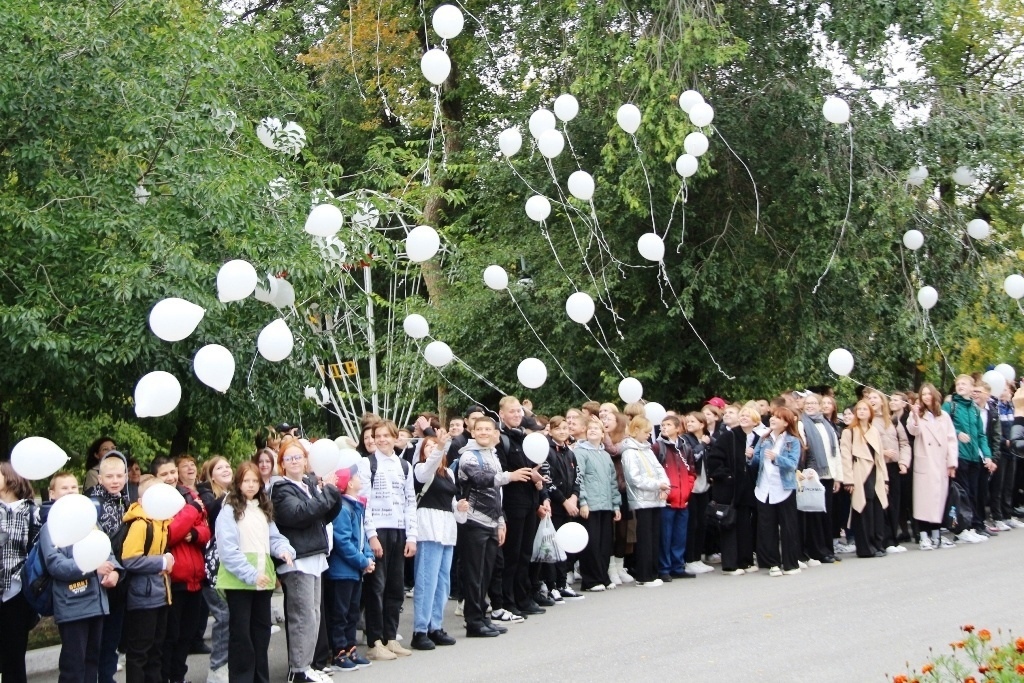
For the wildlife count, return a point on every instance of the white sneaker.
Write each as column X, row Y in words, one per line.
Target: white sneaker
column 698, row 567
column 651, row 584
column 506, row 617
column 775, row 571
column 844, row 549
column 612, row 586
column 892, row 550
column 968, row 536
column 218, row 675
column 1014, row 523
column 459, row 607
column 800, row 564
column 624, row 576
column 1001, row 525
column 926, row 544
column 753, row 569
column 274, row 628
column 813, row 562
column 715, row 558
column 597, row 589
column 735, row 572
column 945, row 543
column 790, row 572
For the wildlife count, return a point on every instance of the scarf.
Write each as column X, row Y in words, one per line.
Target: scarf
column 815, row 446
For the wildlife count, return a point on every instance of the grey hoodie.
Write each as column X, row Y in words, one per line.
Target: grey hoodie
column 599, row 487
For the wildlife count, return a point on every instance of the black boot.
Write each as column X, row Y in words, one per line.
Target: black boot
column 420, row 641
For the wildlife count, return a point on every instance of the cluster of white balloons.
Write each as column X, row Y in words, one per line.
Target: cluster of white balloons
column 998, row 377
column 289, row 138
column 435, row 64
column 326, row 457
column 962, row 175
column 841, row 362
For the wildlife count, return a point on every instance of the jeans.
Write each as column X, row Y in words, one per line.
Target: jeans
column 384, row 589
column 433, row 572
column 219, row 610
column 301, row 616
column 343, row 598
column 113, row 627
column 80, row 649
column 249, row 635
column 674, row 523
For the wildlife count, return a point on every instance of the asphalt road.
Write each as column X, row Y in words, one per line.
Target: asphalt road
column 857, row 620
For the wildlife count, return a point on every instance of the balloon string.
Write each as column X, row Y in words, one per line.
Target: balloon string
column 457, row 388
column 568, row 141
column 860, row 384
column 668, row 282
column 537, row 335
column 842, row 230
column 547, row 236
column 672, row 212
column 935, row 338
column 650, row 192
column 757, row 199
column 607, row 352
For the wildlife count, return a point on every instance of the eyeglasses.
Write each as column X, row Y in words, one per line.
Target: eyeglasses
column 292, row 458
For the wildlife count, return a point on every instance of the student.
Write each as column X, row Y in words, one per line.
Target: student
column 563, row 492
column 215, row 481
column 647, row 486
column 675, row 456
column 482, row 530
column 823, row 457
column 19, row 521
column 247, row 538
column 776, row 458
column 727, row 467
column 79, row 599
column 96, row 452
column 935, row 459
column 350, row 559
column 599, row 506
column 148, row 563
column 974, row 453
column 698, row 438
column 866, row 480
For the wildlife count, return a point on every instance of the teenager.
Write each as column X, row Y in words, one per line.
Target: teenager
column 728, row 468
column 974, row 454
column 675, row 456
column 776, row 458
column 935, row 461
column 865, row 479
column 599, row 504
column 896, row 452
column 563, row 492
column 215, row 481
column 698, row 439
column 647, row 487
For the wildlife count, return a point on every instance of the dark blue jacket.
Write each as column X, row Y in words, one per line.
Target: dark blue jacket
column 76, row 596
column 351, row 554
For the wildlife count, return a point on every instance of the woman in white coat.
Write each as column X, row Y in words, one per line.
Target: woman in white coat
column 935, row 457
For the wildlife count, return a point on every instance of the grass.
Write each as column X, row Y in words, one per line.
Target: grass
column 44, row 634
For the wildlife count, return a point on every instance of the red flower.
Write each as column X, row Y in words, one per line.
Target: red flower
column 1019, row 644
column 970, row 679
column 984, row 635
column 982, row 669
column 1020, row 669
column 900, row 679
column 957, row 644
column 967, row 628
column 927, row 668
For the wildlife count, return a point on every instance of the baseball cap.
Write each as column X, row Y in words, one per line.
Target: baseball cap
column 716, row 401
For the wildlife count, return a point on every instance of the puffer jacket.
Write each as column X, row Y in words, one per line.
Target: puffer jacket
column 644, row 475
column 302, row 518
column 189, row 566
column 967, row 420
column 76, row 596
column 677, row 459
column 148, row 585
column 599, row 487
column 564, row 474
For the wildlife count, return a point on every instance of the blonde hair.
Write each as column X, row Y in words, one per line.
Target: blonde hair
column 752, row 413
column 638, row 425
column 633, row 409
column 609, row 406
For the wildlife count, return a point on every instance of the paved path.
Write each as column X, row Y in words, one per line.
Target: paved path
column 852, row 621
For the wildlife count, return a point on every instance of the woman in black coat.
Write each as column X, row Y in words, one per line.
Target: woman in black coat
column 733, row 484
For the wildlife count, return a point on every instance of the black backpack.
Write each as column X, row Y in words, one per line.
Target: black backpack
column 118, row 539
column 958, row 514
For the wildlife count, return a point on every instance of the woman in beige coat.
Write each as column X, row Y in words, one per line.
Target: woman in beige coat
column 896, row 450
column 935, row 457
column 865, row 480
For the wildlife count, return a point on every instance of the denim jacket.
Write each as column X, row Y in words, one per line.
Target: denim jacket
column 787, row 461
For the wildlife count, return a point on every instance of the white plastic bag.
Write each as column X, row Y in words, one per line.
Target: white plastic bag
column 545, row 543
column 810, row 495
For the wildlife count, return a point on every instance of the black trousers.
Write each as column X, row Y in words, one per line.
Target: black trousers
column 841, row 513
column 496, row 583
column 249, row 635
column 521, row 526
column 343, row 597
column 648, row 544
column 595, row 557
column 16, row 620
column 80, row 650
column 868, row 526
column 892, row 513
column 145, row 630
column 478, row 547
column 385, row 588
column 184, row 612
column 907, row 521
column 817, row 527
column 696, row 526
column 1001, row 488
column 968, row 475
column 777, row 522
column 738, row 540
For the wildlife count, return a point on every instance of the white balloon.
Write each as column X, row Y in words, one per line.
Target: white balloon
column 157, row 394
column 572, row 537
column 581, row 185
column 566, row 107
column 1014, row 286
column 917, row 175
column 630, row 390
column 285, row 296
column 531, row 373
column 535, row 448
column 580, row 307
column 836, row 110
column 422, row 243
column 927, row 296
column 979, row 229
column 141, row 194
column 688, row 99
column 306, row 444
column 540, row 121
column 310, row 393
column 435, row 66
column 236, row 280
column 275, row 341
column 702, row 114
column 996, row 382
column 291, row 139
column 91, row 551
column 416, row 326
column 510, row 141
column 267, row 132
column 366, row 216
column 36, row 457
column 538, row 207
column 496, row 278
column 214, row 366
column 71, row 519
column 324, row 220
column 447, row 21
column 655, row 412
column 628, row 118
column 1007, row 371
column 267, row 295
column 174, row 319
column 841, row 362
column 964, row 176
column 161, row 501
column 438, row 354
column 324, row 456
column 651, row 247
column 913, row 239
column 551, row 143
column 686, row 165
column 695, row 143
column 348, row 457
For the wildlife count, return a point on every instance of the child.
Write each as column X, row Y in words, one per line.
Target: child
column 647, row 486
column 149, row 590
column 599, row 506
column 676, row 457
column 563, row 491
column 350, row 558
column 79, row 600
column 246, row 538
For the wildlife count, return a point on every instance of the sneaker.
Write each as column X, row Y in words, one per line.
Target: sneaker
column 598, row 588
column 665, row 578
column 968, row 536
column 459, row 607
column 752, row 569
column 1014, row 523
column 1001, row 525
column 576, row 576
column 735, row 572
column 569, row 594
column 790, row 572
column 397, row 648
column 800, row 564
column 650, row 584
column 556, row 597
column 570, row 578
column 845, row 549
column 531, row 608
column 308, row 676
column 714, row 558
column 409, row 592
column 926, row 544
column 624, row 576
column 420, row 641
column 813, row 562
column 506, row 617
column 274, row 628
column 612, row 586
column 543, row 600
column 775, row 571
column 343, row 663
column 381, row 652
column 361, row 662
column 218, row 675
column 698, row 568
column 614, row 578
column 945, row 543
column 440, row 637
column 893, row 550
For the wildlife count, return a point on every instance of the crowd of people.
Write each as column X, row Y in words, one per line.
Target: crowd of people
column 440, row 514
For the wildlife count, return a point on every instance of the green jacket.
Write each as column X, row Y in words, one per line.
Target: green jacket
column 967, row 420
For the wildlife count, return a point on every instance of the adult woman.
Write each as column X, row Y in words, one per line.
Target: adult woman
column 901, row 508
column 98, row 450
column 647, row 487
column 733, row 485
column 266, row 462
column 698, row 439
column 19, row 527
column 823, row 457
column 935, row 458
column 188, row 472
column 437, row 532
column 776, row 457
column 615, row 424
column 896, row 452
column 214, row 484
column 864, row 478
column 367, row 444
column 302, row 510
column 830, row 411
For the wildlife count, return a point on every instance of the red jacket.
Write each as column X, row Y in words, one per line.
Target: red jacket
column 677, row 459
column 189, row 566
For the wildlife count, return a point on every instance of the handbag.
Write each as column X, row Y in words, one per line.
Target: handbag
column 810, row 496
column 722, row 514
